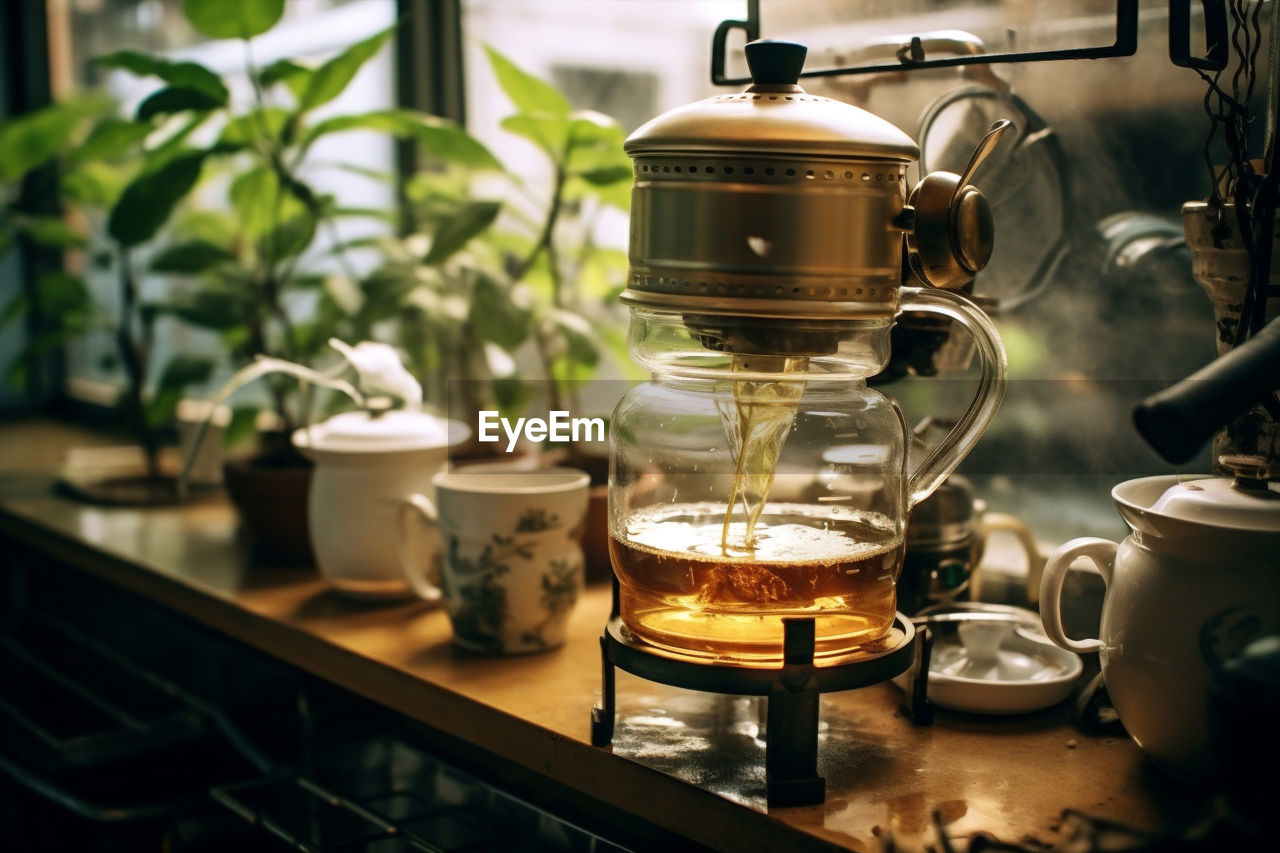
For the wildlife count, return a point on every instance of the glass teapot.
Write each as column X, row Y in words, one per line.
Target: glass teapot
column 756, row 476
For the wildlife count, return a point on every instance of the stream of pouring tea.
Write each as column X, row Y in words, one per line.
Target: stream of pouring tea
column 756, row 424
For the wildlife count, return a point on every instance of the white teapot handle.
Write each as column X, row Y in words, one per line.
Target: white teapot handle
column 415, row 509
column 1102, row 553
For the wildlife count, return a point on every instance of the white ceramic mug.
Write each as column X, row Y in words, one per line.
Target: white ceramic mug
column 512, row 568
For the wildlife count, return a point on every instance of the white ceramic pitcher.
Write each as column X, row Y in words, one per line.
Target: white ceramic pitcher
column 1195, row 581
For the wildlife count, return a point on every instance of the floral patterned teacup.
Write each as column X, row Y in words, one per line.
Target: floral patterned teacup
column 511, row 570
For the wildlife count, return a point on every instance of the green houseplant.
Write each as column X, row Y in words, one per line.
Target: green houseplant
column 506, row 296
column 238, row 267
column 100, row 187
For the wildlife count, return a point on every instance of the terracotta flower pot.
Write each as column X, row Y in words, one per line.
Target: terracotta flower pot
column 272, row 502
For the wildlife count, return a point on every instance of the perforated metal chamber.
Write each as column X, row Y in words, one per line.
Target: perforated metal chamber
column 767, row 235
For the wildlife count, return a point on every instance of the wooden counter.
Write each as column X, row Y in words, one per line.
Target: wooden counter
column 684, row 761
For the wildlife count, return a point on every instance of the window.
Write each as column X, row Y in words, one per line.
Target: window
column 311, row 30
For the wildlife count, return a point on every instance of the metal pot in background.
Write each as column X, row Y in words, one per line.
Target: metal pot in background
column 947, row 536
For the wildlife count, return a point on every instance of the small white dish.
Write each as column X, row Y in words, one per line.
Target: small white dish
column 989, row 659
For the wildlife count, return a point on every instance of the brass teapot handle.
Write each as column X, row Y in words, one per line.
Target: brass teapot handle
column 952, row 232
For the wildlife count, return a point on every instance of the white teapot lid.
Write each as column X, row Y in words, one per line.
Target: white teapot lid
column 1173, row 505
column 384, row 432
column 1222, row 502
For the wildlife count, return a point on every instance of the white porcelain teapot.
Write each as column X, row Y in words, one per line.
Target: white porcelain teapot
column 367, row 463
column 1196, row 580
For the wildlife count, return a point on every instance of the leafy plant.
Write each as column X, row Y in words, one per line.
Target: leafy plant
column 139, row 185
column 55, row 304
column 253, row 286
column 113, row 188
column 500, row 280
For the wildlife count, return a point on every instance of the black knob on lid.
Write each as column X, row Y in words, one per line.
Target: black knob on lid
column 775, row 62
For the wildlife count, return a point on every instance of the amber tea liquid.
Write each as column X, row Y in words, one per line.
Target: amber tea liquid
column 681, row 590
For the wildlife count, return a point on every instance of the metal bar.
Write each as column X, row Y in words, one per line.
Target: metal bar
column 37, row 784
column 71, row 685
column 429, row 75
column 603, row 716
column 1215, row 35
column 791, row 740
column 911, row 56
column 210, row 711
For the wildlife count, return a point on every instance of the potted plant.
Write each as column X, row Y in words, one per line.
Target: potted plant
column 108, row 191
column 244, row 267
column 507, row 299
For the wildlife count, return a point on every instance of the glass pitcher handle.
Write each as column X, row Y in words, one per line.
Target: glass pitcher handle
column 992, row 380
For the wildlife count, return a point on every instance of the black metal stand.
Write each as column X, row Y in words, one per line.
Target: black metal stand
column 791, row 744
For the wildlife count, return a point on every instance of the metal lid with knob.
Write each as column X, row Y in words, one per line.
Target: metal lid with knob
column 772, row 202
column 774, row 115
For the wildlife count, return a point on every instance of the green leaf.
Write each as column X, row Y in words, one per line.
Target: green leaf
column 495, row 316
column 174, row 145
column 181, row 371
column 328, row 81
column 146, row 203
column 385, row 291
column 33, row 139
column 602, row 273
column 175, row 99
column 308, row 281
column 548, row 132
column 62, row 296
column 453, row 233
column 582, row 344
column 261, row 204
column 529, row 94
column 510, row 393
column 52, row 232
column 213, row 307
column 190, row 257
column 186, row 75
column 94, row 185
column 242, row 426
column 289, row 239
column 441, row 138
column 596, row 156
column 253, row 196
column 295, row 77
column 617, row 194
column 378, row 213
column 607, row 175
column 209, row 226
column 110, row 138
column 246, row 129
column 227, row 19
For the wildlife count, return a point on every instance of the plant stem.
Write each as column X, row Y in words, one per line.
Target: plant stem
column 133, row 356
column 546, row 243
column 545, row 238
